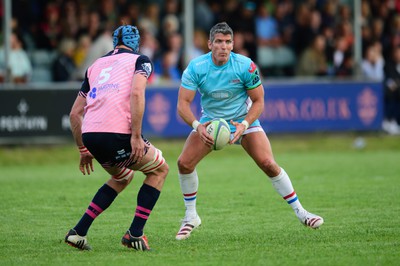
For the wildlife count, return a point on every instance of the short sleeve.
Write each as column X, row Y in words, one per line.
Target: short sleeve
column 189, row 78
column 144, row 66
column 252, row 77
column 85, row 88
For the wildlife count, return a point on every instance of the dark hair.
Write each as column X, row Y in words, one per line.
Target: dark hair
column 221, row 27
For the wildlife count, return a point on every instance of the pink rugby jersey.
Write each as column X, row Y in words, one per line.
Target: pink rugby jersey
column 107, row 89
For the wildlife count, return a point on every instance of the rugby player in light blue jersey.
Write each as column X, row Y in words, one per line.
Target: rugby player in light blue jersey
column 230, row 88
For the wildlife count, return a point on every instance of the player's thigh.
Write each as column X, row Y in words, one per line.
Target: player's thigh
column 193, row 151
column 257, row 145
column 117, row 183
column 153, row 161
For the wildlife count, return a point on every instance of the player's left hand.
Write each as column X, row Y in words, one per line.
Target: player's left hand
column 240, row 128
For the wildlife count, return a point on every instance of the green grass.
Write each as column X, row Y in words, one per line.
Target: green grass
column 245, row 222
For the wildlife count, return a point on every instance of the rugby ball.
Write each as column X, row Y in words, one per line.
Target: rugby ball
column 220, row 131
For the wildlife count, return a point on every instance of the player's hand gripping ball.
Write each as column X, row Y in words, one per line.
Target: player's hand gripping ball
column 220, row 131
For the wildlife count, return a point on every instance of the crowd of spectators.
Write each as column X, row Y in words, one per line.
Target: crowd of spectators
column 284, row 37
column 56, row 40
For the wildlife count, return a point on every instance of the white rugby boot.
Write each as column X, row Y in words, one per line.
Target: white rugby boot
column 188, row 225
column 309, row 219
column 74, row 240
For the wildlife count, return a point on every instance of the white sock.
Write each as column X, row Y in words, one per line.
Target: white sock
column 284, row 187
column 189, row 186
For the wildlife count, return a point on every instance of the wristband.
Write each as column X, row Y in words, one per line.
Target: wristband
column 83, row 149
column 195, row 124
column 246, row 124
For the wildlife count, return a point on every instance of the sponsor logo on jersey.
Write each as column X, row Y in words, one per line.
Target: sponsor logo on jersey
column 220, row 94
column 252, row 67
column 92, row 93
column 122, row 154
column 106, row 88
column 256, row 77
column 147, row 67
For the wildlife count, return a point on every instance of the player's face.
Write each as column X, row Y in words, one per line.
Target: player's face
column 221, row 48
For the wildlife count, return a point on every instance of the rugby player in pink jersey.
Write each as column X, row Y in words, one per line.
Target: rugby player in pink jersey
column 106, row 122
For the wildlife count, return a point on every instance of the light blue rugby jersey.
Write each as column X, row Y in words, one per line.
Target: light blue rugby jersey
column 222, row 88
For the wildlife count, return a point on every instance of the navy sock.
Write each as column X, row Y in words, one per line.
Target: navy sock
column 101, row 201
column 146, row 199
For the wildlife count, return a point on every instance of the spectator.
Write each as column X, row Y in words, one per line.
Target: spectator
column 244, row 22
column 342, row 63
column 313, row 61
column 239, row 41
column 169, row 25
column 366, row 14
column 392, row 94
column 272, row 55
column 44, row 23
column 107, row 12
column 329, row 13
column 302, row 34
column 345, row 30
column 50, row 28
column 20, row 67
column 199, row 44
column 148, row 44
column 101, row 45
column 285, row 19
column 204, row 18
column 329, row 47
column 170, row 18
column 373, row 63
column 377, row 27
column 94, row 25
column 151, row 18
column 345, row 14
column 83, row 46
column 394, row 32
column 366, row 37
column 83, row 16
column 168, row 67
column 315, row 22
column 69, row 18
column 131, row 12
column 64, row 67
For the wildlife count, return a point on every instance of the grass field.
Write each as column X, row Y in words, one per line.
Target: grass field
column 245, row 222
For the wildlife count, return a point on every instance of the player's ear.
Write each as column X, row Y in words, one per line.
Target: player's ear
column 209, row 45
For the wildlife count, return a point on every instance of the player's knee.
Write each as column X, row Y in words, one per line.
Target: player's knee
column 157, row 178
column 125, row 175
column 269, row 166
column 184, row 166
column 163, row 170
column 158, row 163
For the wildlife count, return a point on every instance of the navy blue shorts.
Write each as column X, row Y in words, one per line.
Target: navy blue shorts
column 110, row 149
